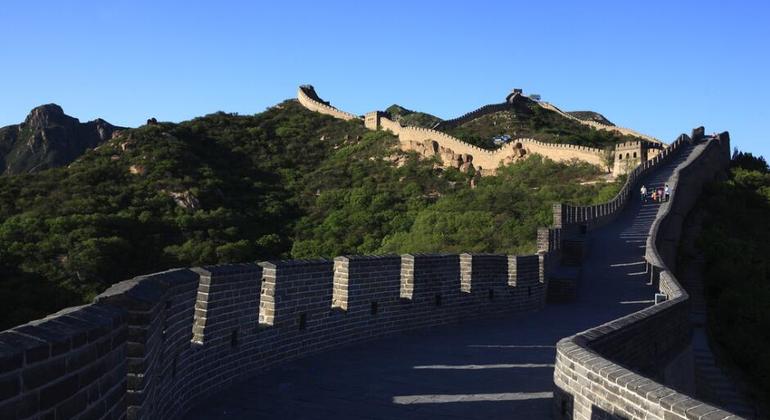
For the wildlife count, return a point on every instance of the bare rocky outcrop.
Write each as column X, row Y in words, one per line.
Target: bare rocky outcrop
column 137, row 169
column 49, row 138
column 185, row 199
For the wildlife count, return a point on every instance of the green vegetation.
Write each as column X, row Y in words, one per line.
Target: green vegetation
column 409, row 117
column 406, row 209
column 529, row 120
column 590, row 116
column 736, row 242
column 222, row 188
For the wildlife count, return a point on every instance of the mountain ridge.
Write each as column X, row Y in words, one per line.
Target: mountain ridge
column 49, row 138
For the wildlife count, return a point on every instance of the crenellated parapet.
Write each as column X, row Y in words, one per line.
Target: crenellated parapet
column 153, row 346
column 598, row 125
column 453, row 152
column 566, row 216
column 307, row 96
column 615, row 368
column 470, row 116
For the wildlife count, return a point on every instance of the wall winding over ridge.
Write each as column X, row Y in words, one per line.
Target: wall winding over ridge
column 469, row 116
column 153, row 346
column 453, row 151
column 567, row 217
column 599, row 126
column 492, row 108
column 420, row 139
column 307, row 96
column 592, row 376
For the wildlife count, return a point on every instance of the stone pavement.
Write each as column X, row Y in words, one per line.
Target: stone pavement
column 481, row 369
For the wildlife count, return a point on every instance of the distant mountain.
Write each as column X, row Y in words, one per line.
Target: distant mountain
column 590, row 116
column 49, row 138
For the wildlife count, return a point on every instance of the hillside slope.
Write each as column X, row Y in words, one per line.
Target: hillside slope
column 591, row 116
column 48, row 138
column 524, row 118
column 413, row 118
column 284, row 183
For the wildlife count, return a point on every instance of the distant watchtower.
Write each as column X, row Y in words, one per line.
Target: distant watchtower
column 372, row 120
column 512, row 96
column 631, row 154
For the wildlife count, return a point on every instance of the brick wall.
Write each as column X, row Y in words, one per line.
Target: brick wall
column 450, row 149
column 72, row 363
column 615, row 370
column 600, row 214
column 154, row 346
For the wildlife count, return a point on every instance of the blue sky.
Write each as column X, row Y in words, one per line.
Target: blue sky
column 661, row 67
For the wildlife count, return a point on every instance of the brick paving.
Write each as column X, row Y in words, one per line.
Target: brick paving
column 482, row 369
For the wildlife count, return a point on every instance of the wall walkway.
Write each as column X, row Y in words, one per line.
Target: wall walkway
column 453, row 151
column 155, row 346
column 503, row 368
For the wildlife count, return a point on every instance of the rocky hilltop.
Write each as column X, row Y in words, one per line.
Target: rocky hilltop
column 48, row 138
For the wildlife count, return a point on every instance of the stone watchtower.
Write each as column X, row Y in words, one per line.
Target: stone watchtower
column 372, row 120
column 631, row 154
column 513, row 95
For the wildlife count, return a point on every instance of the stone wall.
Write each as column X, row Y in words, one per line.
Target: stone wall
column 597, row 215
column 470, row 116
column 452, row 151
column 153, row 346
column 456, row 153
column 307, row 96
column 71, row 363
column 615, row 370
column 599, row 126
column 492, row 108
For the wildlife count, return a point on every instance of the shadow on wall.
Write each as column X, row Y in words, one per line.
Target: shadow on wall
column 154, row 345
column 593, row 366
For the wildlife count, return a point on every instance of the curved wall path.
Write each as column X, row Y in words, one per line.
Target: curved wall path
column 453, row 151
column 478, row 369
column 599, row 126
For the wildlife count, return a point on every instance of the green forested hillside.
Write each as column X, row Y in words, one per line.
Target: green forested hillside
column 280, row 184
column 413, row 118
column 736, row 244
column 529, row 120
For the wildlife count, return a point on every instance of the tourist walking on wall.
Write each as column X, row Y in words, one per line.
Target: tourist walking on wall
column 667, row 191
column 644, row 194
column 660, row 194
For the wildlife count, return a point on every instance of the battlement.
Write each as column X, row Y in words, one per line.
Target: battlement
column 307, row 96
column 153, row 346
column 454, row 152
column 617, row 367
column 600, row 214
column 469, row 116
column 599, row 126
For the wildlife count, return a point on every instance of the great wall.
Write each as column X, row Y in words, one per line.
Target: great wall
column 598, row 125
column 459, row 154
column 157, row 346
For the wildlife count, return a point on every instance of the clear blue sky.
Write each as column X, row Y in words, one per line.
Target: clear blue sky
column 661, row 67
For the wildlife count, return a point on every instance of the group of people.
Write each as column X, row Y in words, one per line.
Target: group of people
column 658, row 195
